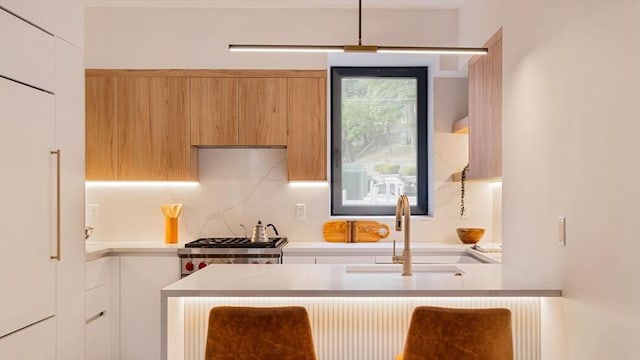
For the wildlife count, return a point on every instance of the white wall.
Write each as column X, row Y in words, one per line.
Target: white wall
column 242, row 186
column 198, row 38
column 570, row 124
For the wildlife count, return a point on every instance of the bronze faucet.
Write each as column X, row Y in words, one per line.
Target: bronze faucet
column 403, row 209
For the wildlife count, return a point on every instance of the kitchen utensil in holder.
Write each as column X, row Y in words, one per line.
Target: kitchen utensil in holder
column 171, row 213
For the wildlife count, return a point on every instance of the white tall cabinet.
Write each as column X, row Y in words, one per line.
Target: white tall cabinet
column 41, row 110
column 27, row 129
column 69, row 139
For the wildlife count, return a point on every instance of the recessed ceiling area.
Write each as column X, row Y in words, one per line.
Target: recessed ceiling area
column 291, row 4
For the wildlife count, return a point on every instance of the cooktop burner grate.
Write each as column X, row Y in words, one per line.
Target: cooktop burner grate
column 234, row 242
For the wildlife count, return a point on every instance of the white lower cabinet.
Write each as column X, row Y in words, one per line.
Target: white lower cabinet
column 97, row 339
column 97, row 312
column 122, row 305
column 102, row 304
column 141, row 279
column 298, row 259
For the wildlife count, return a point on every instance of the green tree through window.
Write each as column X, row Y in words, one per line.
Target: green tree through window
column 373, row 107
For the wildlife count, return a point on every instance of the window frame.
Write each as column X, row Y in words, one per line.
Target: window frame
column 421, row 74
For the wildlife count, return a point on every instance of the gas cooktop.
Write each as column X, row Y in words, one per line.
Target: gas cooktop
column 235, row 242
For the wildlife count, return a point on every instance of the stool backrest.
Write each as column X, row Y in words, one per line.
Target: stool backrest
column 259, row 333
column 469, row 334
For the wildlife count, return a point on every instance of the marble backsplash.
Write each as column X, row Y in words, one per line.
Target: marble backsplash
column 242, row 186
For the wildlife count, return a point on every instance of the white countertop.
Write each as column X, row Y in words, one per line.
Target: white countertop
column 382, row 248
column 293, row 280
column 96, row 250
column 361, row 248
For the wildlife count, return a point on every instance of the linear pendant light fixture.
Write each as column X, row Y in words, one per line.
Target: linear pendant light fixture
column 360, row 48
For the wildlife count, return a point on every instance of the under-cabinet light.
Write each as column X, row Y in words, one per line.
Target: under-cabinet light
column 125, row 184
column 308, row 184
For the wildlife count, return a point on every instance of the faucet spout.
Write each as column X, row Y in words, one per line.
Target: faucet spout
column 403, row 209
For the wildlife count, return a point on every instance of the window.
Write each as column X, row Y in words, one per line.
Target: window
column 378, row 139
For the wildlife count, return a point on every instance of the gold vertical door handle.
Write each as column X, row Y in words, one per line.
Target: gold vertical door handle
column 57, row 153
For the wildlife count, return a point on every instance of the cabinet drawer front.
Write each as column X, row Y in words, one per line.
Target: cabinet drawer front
column 96, row 273
column 96, row 301
column 97, row 339
column 298, row 259
column 27, row 53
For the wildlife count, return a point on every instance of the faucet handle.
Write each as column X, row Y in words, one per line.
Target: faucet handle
column 396, row 259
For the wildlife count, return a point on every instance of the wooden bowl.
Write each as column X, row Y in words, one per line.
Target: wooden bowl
column 470, row 235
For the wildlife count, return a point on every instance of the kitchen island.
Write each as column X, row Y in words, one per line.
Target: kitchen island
column 356, row 311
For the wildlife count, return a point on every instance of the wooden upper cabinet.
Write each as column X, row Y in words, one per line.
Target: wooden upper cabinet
column 138, row 128
column 262, row 111
column 154, row 136
column 147, row 124
column 214, row 111
column 485, row 112
column 101, row 130
column 307, row 140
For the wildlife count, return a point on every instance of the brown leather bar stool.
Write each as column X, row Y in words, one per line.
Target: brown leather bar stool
column 259, row 333
column 448, row 333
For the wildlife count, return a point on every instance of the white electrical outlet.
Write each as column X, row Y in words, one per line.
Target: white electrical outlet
column 94, row 211
column 301, row 212
column 562, row 231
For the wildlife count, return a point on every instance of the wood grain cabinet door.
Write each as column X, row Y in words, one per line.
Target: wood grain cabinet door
column 307, row 140
column 262, row 111
column 485, row 112
column 134, row 128
column 214, row 111
column 153, row 129
column 101, row 131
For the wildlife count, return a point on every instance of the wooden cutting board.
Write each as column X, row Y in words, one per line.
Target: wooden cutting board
column 354, row 231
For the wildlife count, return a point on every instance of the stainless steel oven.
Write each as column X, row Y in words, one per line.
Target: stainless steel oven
column 199, row 253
